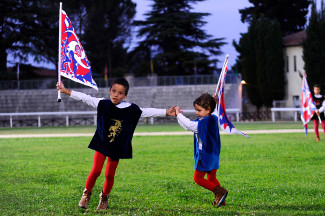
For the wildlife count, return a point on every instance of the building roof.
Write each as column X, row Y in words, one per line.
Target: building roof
column 295, row 39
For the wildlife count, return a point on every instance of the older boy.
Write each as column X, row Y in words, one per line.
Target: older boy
column 116, row 122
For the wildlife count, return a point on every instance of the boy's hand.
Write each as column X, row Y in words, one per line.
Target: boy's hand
column 216, row 99
column 171, row 111
column 178, row 110
column 60, row 86
column 317, row 113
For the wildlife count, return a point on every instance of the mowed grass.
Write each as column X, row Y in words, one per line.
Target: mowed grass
column 267, row 174
column 151, row 128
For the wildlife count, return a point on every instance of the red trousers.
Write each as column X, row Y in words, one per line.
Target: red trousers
column 209, row 183
column 96, row 170
column 316, row 123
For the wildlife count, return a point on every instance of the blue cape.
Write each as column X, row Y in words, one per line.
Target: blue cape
column 207, row 158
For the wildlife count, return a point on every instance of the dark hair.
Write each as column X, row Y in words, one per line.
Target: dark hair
column 317, row 86
column 123, row 82
column 206, row 101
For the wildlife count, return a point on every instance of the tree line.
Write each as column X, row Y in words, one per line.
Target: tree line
column 172, row 39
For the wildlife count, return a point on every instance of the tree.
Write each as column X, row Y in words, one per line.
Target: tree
column 314, row 46
column 175, row 39
column 30, row 29
column 107, row 30
column 291, row 14
column 261, row 61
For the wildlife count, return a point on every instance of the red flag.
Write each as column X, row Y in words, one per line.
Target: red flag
column 308, row 107
column 74, row 63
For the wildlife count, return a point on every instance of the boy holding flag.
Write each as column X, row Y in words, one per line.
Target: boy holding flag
column 116, row 122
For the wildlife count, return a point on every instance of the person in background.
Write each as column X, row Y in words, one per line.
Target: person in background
column 320, row 106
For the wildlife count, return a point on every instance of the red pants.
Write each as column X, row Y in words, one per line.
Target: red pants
column 209, row 183
column 96, row 170
column 316, row 123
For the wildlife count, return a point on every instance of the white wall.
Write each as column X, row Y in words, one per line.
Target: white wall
column 293, row 79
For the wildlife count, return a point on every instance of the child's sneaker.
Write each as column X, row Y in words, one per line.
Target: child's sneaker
column 317, row 139
column 85, row 199
column 220, row 195
column 103, row 202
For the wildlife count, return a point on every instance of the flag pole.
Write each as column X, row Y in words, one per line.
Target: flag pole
column 59, row 52
column 221, row 78
column 222, row 73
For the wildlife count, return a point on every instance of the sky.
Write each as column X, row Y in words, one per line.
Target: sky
column 224, row 22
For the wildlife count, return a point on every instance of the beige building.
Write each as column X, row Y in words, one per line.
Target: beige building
column 294, row 68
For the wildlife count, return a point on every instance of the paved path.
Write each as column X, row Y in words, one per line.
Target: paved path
column 248, row 132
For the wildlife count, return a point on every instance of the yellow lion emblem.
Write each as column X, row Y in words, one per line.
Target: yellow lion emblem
column 115, row 130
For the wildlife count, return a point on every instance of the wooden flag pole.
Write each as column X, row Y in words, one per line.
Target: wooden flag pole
column 59, row 54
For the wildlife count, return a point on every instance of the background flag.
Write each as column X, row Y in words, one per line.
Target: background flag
column 224, row 122
column 74, row 62
column 308, row 107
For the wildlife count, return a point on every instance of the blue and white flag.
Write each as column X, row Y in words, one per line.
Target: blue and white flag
column 224, row 122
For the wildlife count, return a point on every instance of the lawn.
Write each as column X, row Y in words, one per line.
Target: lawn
column 151, row 128
column 267, row 174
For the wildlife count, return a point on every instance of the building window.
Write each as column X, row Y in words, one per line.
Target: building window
column 287, row 63
column 295, row 101
column 295, row 63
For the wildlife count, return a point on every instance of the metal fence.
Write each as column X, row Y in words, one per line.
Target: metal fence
column 134, row 81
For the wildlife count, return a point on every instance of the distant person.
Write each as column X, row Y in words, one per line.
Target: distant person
column 206, row 145
column 320, row 106
column 116, row 122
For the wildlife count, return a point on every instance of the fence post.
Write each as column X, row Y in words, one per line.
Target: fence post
column 67, row 121
column 273, row 116
column 10, row 121
column 39, row 121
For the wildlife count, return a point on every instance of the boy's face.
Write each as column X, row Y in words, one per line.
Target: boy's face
column 200, row 111
column 316, row 90
column 117, row 94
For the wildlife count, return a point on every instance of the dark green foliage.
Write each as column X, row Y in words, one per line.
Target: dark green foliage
column 108, row 28
column 173, row 34
column 313, row 48
column 261, row 62
column 28, row 28
column 291, row 14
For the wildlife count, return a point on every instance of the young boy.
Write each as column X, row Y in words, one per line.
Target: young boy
column 320, row 105
column 207, row 145
column 116, row 122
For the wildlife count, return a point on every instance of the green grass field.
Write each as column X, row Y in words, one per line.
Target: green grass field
column 267, row 174
column 150, row 128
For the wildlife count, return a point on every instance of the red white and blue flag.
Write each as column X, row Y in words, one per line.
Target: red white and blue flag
column 224, row 122
column 308, row 107
column 74, row 63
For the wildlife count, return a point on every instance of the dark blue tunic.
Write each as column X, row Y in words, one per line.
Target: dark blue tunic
column 115, row 128
column 318, row 103
column 207, row 158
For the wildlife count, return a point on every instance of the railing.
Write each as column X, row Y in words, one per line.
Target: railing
column 94, row 113
column 284, row 109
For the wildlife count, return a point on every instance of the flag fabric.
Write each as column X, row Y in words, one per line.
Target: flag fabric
column 308, row 107
column 74, row 63
column 224, row 122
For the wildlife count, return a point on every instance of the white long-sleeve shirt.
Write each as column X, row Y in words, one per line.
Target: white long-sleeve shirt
column 93, row 101
column 189, row 125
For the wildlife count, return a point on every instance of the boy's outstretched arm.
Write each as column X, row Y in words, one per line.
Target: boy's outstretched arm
column 91, row 101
